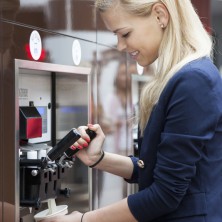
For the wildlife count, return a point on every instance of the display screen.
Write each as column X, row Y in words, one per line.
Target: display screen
column 43, row 112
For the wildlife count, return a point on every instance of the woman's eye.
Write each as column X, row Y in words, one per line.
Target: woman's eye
column 126, row 35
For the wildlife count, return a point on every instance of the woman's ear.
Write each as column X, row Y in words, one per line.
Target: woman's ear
column 161, row 13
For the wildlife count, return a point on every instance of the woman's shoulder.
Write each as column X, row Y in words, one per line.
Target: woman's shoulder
column 203, row 66
column 196, row 70
column 196, row 78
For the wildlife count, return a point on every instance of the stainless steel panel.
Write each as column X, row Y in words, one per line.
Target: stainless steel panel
column 72, row 110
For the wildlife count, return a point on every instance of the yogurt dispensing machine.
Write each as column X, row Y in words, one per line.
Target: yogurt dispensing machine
column 52, row 99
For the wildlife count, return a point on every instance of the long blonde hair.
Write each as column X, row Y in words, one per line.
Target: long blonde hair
column 184, row 40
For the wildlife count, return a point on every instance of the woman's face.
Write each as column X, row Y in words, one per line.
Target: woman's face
column 138, row 36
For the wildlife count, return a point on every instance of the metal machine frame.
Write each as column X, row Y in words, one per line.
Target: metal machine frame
column 44, row 67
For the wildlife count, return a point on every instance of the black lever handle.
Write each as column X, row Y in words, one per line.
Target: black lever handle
column 91, row 134
column 70, row 152
column 63, row 144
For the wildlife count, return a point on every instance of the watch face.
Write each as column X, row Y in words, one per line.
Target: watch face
column 35, row 44
column 76, row 52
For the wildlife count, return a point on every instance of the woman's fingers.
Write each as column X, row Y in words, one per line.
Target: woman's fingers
column 80, row 144
column 84, row 141
column 84, row 135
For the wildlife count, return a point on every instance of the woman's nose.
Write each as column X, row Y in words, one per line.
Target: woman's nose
column 121, row 45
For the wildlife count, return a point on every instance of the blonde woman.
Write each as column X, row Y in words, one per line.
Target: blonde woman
column 179, row 169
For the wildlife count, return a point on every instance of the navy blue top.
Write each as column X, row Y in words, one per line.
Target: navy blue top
column 182, row 150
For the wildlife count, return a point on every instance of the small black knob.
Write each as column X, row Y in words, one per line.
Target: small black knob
column 66, row 192
column 91, row 134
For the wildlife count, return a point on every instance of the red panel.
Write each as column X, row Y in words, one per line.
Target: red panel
column 34, row 128
column 204, row 8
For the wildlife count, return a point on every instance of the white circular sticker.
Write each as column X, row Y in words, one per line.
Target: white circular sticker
column 35, row 44
column 140, row 69
column 76, row 52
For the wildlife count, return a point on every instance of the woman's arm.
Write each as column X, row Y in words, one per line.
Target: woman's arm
column 118, row 211
column 112, row 213
column 116, row 164
column 112, row 163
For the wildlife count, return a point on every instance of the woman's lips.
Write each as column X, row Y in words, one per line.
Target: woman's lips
column 134, row 54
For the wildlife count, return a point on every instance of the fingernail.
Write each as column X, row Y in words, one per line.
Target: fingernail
column 88, row 140
column 80, row 147
column 73, row 147
column 85, row 144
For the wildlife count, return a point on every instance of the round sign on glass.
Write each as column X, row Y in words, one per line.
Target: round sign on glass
column 76, row 52
column 35, row 44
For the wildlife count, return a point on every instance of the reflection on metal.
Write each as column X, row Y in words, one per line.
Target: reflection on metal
column 40, row 66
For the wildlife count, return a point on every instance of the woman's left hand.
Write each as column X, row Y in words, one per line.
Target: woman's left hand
column 75, row 216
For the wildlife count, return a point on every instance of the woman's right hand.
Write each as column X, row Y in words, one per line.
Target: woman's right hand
column 90, row 150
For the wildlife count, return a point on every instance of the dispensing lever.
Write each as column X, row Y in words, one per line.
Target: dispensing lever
column 63, row 145
column 70, row 152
